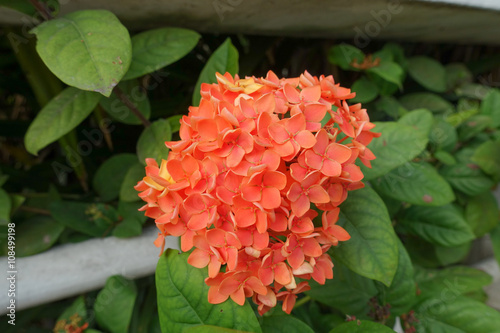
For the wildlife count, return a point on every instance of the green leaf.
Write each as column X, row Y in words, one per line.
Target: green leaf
column 398, row 53
column 445, row 157
column 426, row 100
column 78, row 308
column 224, row 59
column 119, row 111
column 491, row 107
column 90, row 219
column 366, row 91
column 457, row 74
column 134, row 174
column 389, row 71
column 154, row 49
column 284, row 324
column 151, row 143
column 428, row 72
column 62, row 114
column 175, row 122
column 459, row 312
column 495, row 241
column 420, row 119
column 23, row 6
column 210, row 329
column 5, row 206
column 415, row 183
column 128, row 227
column 397, row 145
column 36, row 235
column 183, row 299
column 372, row 250
column 467, row 178
column 481, row 213
column 443, row 225
column 109, row 177
column 456, row 119
column 86, row 49
column 361, row 326
column 344, row 55
column 443, row 136
column 131, row 209
column 451, row 255
column 487, row 156
column 114, row 304
column 472, row 90
column 390, row 106
column 347, row 291
column 403, row 291
column 473, row 126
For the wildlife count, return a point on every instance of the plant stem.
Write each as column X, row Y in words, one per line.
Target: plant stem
column 302, row 301
column 124, row 98
column 42, row 9
column 98, row 113
column 35, row 210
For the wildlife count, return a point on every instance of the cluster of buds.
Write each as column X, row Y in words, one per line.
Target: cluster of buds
column 255, row 181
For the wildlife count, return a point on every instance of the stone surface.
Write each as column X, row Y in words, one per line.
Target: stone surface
column 455, row 21
column 73, row 269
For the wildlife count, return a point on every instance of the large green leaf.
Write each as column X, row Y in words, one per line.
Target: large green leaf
column 389, row 71
column 36, row 235
column 134, row 174
column 451, row 255
column 467, row 178
column 110, row 175
column 366, row 91
column 347, row 291
column 487, row 156
column 457, row 74
column 88, row 218
column 183, row 303
column 63, row 113
column 372, row 250
column 397, row 145
column 443, row 225
column 403, row 290
column 420, row 119
column 344, row 55
column 490, row 106
column 361, row 326
column 119, row 111
column 210, row 329
column 495, row 241
column 460, row 312
column 458, row 280
column 151, row 143
column 481, row 213
column 154, row 49
column 284, row 324
column 428, row 72
column 87, row 49
column 114, row 304
column 426, row 100
column 443, row 135
column 5, row 206
column 416, row 183
column 224, row 59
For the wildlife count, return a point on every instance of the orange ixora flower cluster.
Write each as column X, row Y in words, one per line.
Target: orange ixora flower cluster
column 255, row 182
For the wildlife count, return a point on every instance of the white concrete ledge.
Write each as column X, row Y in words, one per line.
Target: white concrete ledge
column 72, row 269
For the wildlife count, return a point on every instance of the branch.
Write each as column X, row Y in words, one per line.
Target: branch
column 124, row 98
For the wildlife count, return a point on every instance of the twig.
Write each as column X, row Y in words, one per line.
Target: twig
column 42, row 9
column 124, row 98
column 35, row 210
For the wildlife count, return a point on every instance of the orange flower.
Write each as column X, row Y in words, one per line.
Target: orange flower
column 244, row 183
